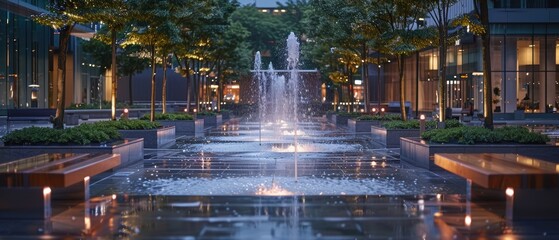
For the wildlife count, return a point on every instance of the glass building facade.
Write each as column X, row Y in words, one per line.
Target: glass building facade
column 524, row 63
column 24, row 65
column 28, row 60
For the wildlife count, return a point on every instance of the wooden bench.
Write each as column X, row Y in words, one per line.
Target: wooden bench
column 35, row 180
column 531, row 186
column 29, row 115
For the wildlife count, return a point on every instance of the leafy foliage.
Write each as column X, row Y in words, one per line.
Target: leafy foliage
column 169, row 116
column 129, row 124
column 476, row 135
column 80, row 135
column 414, row 124
column 386, row 117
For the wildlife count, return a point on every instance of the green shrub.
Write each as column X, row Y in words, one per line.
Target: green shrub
column 79, row 135
column 207, row 113
column 386, row 117
column 414, row 124
column 399, row 124
column 367, row 118
column 169, row 116
column 475, row 135
column 129, row 124
column 349, row 114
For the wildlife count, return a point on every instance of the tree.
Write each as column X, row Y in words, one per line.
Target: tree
column 63, row 15
column 231, row 55
column 131, row 62
column 155, row 27
column 478, row 23
column 402, row 35
column 483, row 13
column 200, row 49
column 439, row 12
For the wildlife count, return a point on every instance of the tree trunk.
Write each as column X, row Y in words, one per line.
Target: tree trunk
column 164, row 86
column 188, row 84
column 486, row 41
column 442, row 74
column 131, row 101
column 58, row 122
column 152, row 104
column 113, row 74
column 219, row 91
column 365, row 81
column 197, row 86
column 401, row 66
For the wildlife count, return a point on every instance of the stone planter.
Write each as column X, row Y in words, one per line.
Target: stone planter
column 340, row 120
column 211, row 120
column 153, row 138
column 390, row 138
column 420, row 153
column 329, row 116
column 130, row 150
column 358, row 126
column 519, row 115
column 72, row 119
column 225, row 116
column 185, row 127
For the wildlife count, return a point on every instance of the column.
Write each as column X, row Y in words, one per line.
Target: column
column 510, row 79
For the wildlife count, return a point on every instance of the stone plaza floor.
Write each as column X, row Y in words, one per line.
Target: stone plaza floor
column 238, row 182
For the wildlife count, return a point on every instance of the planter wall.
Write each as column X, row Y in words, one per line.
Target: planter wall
column 225, row 116
column 340, row 120
column 361, row 126
column 185, row 127
column 85, row 114
column 130, row 150
column 153, row 138
column 390, row 138
column 419, row 153
column 211, row 121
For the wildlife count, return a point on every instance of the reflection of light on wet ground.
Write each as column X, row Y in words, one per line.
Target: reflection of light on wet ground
column 280, row 186
column 274, row 190
column 292, row 133
column 291, row 148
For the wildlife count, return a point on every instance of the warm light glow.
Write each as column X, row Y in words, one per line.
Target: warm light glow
column 438, row 214
column 439, row 196
column 87, row 223
column 126, row 110
column 113, row 197
column 186, row 110
column 291, row 148
column 373, row 164
column 382, row 109
column 214, row 86
column 374, row 109
column 194, row 110
column 46, row 191
column 509, row 192
column 468, row 220
column 292, row 133
column 275, row 190
column 421, row 117
column 86, row 179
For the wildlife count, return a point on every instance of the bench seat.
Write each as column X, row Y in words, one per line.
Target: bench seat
column 38, row 179
column 499, row 171
column 529, row 186
column 55, row 170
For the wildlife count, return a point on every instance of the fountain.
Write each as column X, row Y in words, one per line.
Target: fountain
column 279, row 96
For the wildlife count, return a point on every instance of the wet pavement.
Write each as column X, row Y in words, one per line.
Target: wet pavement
column 240, row 182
